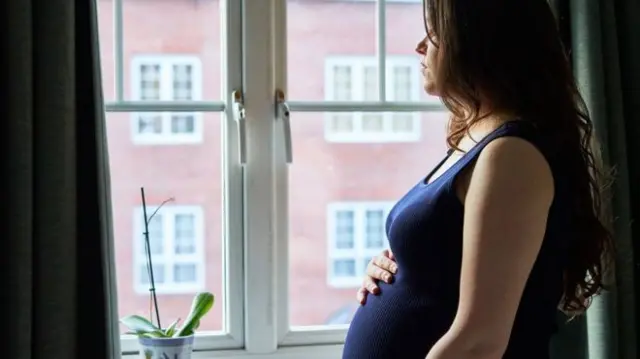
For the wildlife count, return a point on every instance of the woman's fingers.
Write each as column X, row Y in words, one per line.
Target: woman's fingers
column 381, row 267
column 389, row 254
column 385, row 263
column 370, row 285
column 362, row 295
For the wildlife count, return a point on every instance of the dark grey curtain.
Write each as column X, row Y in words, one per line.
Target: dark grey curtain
column 56, row 279
column 604, row 38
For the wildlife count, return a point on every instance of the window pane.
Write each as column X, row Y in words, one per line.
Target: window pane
column 149, row 81
column 175, row 44
column 409, row 14
column 344, row 267
column 375, row 235
column 317, row 30
column 156, row 240
column 186, row 233
column 344, row 230
column 403, row 77
column 342, row 83
column 184, row 273
column 183, row 78
column 158, row 274
column 338, row 195
column 182, row 124
column 341, row 123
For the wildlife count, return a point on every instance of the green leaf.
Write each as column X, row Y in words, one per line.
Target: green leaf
column 141, row 326
column 172, row 328
column 202, row 303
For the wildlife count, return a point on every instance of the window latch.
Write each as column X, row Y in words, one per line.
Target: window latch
column 284, row 115
column 239, row 116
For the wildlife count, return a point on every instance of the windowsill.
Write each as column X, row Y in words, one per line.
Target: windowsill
column 300, row 352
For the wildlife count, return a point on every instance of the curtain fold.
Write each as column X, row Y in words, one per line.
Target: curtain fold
column 605, row 42
column 56, row 263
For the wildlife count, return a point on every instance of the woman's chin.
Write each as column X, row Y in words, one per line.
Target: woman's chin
column 431, row 90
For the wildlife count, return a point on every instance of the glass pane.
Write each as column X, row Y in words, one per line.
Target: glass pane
column 186, row 233
column 341, row 123
column 372, row 122
column 182, row 123
column 168, row 53
column 405, row 82
column 344, row 230
column 158, row 274
column 184, row 273
column 156, row 240
column 402, row 122
column 353, row 183
column 375, row 234
column 344, row 268
column 324, row 38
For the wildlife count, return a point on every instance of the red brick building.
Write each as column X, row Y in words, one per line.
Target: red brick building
column 348, row 168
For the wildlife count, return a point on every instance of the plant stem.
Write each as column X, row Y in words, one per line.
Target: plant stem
column 152, row 289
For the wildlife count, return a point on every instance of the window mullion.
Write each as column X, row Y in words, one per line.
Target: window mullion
column 359, row 224
column 165, row 94
column 357, row 92
column 260, row 199
column 233, row 204
column 381, row 47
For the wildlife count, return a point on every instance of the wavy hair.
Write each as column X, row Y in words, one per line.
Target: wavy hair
column 509, row 54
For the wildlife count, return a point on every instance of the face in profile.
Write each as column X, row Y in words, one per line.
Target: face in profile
column 429, row 52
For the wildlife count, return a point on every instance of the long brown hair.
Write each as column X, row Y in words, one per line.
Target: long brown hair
column 510, row 54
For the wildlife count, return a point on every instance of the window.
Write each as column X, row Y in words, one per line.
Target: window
column 247, row 224
column 356, row 234
column 176, row 244
column 166, row 78
column 356, row 79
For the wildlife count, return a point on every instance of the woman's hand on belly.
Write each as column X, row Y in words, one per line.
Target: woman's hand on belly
column 381, row 267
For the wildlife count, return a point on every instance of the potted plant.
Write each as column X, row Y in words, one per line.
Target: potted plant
column 174, row 341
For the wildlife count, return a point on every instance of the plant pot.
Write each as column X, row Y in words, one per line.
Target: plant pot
column 166, row 348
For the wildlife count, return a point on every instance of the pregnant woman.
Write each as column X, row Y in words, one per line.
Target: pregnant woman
column 505, row 230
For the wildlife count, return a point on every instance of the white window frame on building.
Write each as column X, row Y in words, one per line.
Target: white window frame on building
column 174, row 128
column 357, row 249
column 167, row 252
column 361, row 85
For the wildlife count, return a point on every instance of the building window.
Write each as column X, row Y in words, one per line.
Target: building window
column 176, row 242
column 166, row 78
column 356, row 79
column 356, row 234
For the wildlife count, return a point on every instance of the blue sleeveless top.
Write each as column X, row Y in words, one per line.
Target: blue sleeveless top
column 425, row 234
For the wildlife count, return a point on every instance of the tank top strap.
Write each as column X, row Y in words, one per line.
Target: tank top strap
column 515, row 128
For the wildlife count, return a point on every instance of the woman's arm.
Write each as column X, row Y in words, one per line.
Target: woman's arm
column 507, row 200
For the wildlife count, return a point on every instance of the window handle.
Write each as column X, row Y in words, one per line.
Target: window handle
column 239, row 116
column 284, row 114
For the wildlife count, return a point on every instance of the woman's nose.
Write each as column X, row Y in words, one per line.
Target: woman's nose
column 421, row 48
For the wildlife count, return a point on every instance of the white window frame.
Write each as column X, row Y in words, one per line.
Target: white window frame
column 357, row 65
column 166, row 62
column 168, row 257
column 359, row 251
column 255, row 191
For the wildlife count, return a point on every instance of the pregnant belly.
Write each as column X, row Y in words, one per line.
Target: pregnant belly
column 396, row 324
